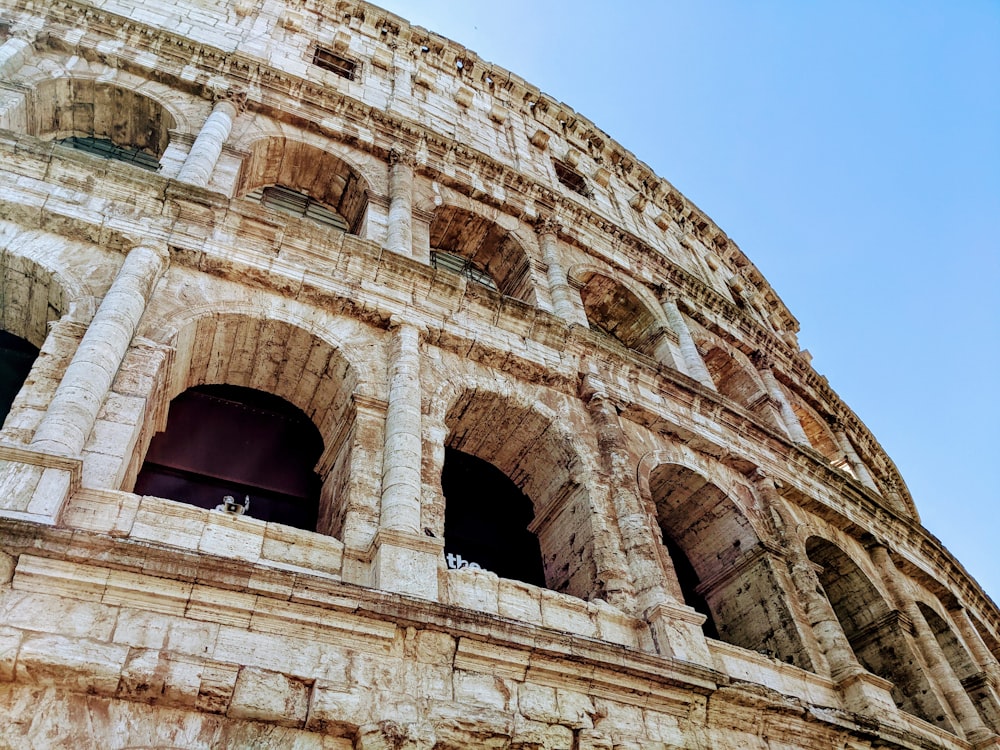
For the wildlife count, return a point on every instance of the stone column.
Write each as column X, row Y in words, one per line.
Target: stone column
column 401, row 460
column 87, row 380
column 675, row 627
column 693, row 362
column 400, row 234
column 941, row 672
column 13, row 53
column 853, row 459
column 980, row 653
column 763, row 364
column 204, row 154
column 403, row 558
column 861, row 690
column 566, row 302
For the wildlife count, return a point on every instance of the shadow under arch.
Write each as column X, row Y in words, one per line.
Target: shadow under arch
column 629, row 315
column 71, row 107
column 276, row 357
column 875, row 631
column 320, row 176
column 487, row 246
column 528, row 443
column 725, row 568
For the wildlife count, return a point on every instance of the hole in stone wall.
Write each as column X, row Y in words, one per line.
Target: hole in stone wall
column 16, row 358
column 571, row 178
column 486, row 520
column 329, row 60
column 229, row 440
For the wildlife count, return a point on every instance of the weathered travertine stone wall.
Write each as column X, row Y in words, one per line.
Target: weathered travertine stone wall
column 420, row 252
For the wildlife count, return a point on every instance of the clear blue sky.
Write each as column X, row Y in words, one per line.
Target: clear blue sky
column 852, row 150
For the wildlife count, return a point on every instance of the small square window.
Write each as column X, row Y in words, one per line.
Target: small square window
column 571, row 178
column 328, row 60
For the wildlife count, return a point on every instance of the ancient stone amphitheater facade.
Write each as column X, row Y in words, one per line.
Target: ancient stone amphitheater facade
column 532, row 457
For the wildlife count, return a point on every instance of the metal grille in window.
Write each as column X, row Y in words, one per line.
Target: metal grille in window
column 571, row 178
column 464, row 266
column 331, row 61
column 294, row 203
column 105, row 149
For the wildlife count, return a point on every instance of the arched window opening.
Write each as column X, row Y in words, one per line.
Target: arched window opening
column 874, row 632
column 16, row 358
column 486, row 520
column 721, row 566
column 304, row 180
column 614, row 311
column 482, row 250
column 538, row 463
column 107, row 149
column 463, row 266
column 972, row 679
column 297, row 204
column 110, row 121
column 229, row 440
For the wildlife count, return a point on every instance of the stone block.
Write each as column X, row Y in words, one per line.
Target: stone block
column 473, row 589
column 153, row 630
column 74, row 617
column 153, row 676
column 305, row 549
column 10, row 642
column 567, row 614
column 169, row 522
column 519, row 601
column 337, row 710
column 228, row 535
column 71, row 663
column 486, row 690
column 269, row 696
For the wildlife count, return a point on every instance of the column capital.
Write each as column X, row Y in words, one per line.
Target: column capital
column 237, row 97
column 399, row 322
column 547, row 225
column 762, row 359
column 399, row 154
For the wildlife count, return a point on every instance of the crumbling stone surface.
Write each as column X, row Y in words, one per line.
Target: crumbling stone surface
column 422, row 253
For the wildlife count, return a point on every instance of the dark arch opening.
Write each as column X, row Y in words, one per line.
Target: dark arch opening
column 874, row 631
column 687, row 578
column 229, row 440
column 486, row 520
column 16, row 358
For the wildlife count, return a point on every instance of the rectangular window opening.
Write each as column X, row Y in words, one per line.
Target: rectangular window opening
column 571, row 179
column 331, row 61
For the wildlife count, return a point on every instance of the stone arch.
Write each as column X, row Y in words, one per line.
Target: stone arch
column 729, row 570
column 120, row 111
column 319, row 174
column 279, row 355
column 875, row 632
column 35, row 291
column 817, row 430
column 536, row 449
column 627, row 312
column 487, row 245
column 963, row 665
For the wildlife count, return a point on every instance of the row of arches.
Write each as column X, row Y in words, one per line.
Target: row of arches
column 510, row 487
column 130, row 117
